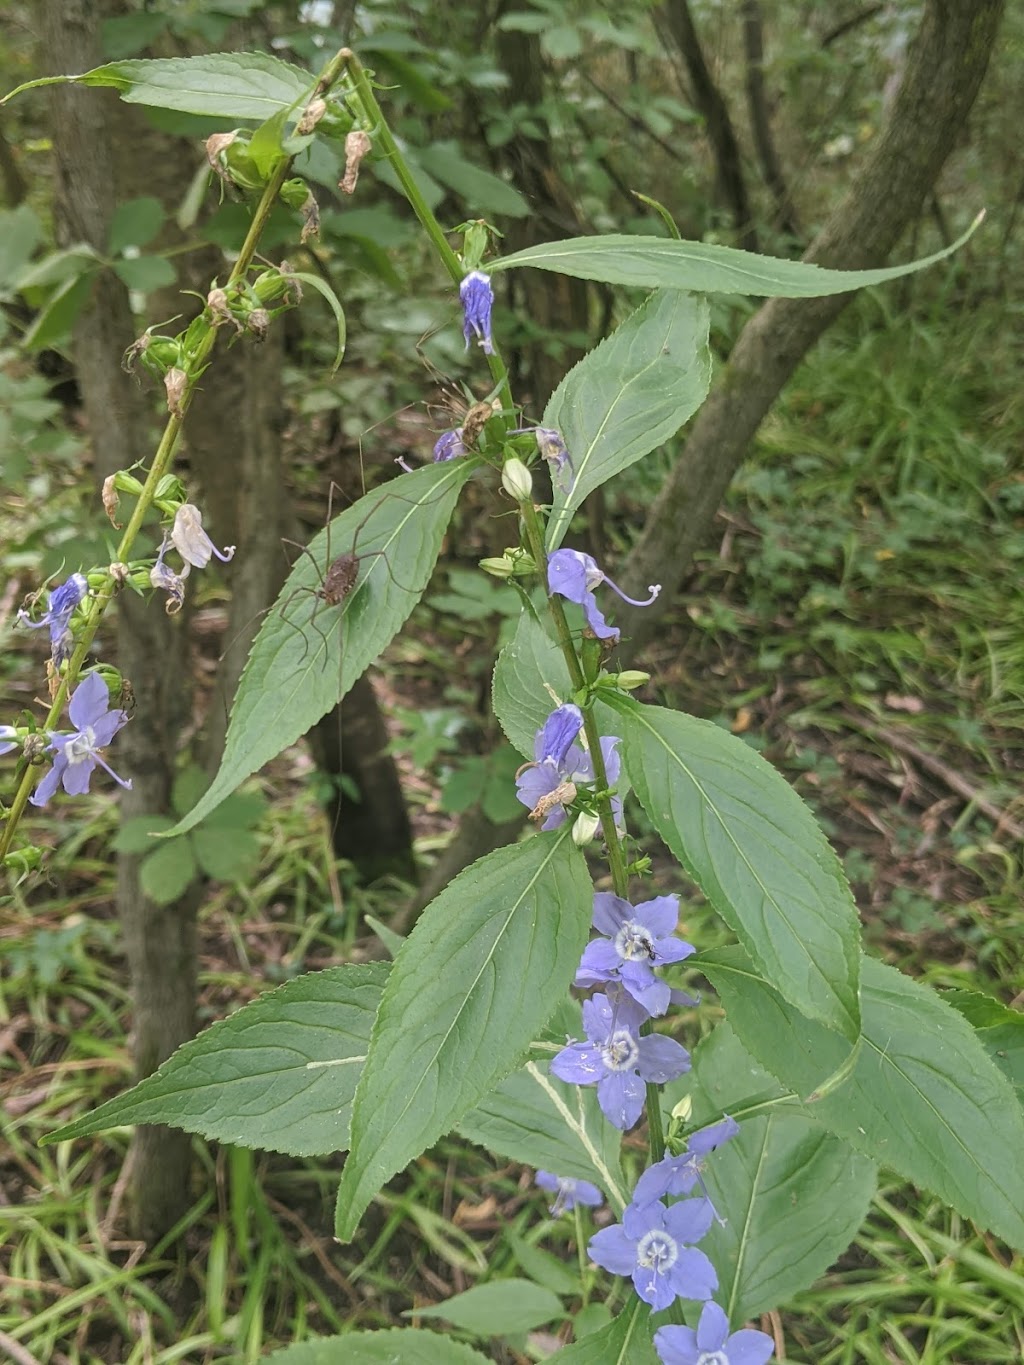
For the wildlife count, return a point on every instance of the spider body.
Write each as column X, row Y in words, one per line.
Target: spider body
column 339, row 580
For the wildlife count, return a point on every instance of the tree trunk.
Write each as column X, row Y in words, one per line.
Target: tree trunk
column 943, row 74
column 90, row 129
column 761, row 119
column 732, row 186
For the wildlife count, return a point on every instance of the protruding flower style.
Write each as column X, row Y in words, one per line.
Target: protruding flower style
column 449, row 446
column 653, row 1245
column 711, row 1343
column 62, row 603
column 637, row 939
column 568, row 1193
column 164, row 579
column 678, row 1174
column 549, row 784
column 574, row 576
column 8, row 739
column 617, row 1060
column 192, row 542
column 77, row 754
column 477, row 300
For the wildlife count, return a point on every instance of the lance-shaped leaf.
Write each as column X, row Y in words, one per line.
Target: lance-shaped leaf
column 1000, row 1030
column 232, row 85
column 278, row 1074
column 530, row 674
column 663, row 263
column 625, row 1341
column 307, row 654
column 756, row 852
column 792, row 1195
column 474, row 983
column 923, row 1097
column 627, row 396
column 499, row 1309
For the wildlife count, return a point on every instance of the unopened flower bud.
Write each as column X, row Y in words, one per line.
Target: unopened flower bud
column 110, row 500
column 357, row 144
column 127, row 483
column 584, row 829
column 517, row 480
column 498, row 568
column 175, row 382
column 683, row 1109
column 630, row 679
column 311, row 116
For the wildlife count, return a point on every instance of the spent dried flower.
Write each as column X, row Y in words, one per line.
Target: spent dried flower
column 357, row 145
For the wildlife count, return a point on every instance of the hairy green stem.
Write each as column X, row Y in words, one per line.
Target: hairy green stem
column 161, row 461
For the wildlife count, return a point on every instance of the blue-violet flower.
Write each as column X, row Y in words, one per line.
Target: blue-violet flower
column 552, row 449
column 679, row 1174
column 617, row 1060
column 8, row 738
column 477, row 300
column 549, row 784
column 574, row 576
column 568, row 1192
column 653, row 1246
column 711, row 1343
column 638, row 938
column 77, row 754
column 62, row 603
column 449, row 446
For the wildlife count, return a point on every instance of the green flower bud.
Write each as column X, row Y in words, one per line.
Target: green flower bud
column 584, row 829
column 630, row 679
column 517, row 480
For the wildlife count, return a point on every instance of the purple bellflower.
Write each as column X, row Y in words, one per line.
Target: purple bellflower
column 574, row 576
column 549, row 784
column 653, row 1245
column 77, row 754
column 568, row 1193
column 477, row 300
column 8, row 739
column 61, row 606
column 449, row 446
column 617, row 1060
column 192, row 542
column 678, row 1174
column 711, row 1343
column 638, row 939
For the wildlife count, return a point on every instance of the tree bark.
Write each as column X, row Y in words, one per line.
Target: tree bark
column 90, row 130
column 732, row 186
column 944, row 71
column 761, row 119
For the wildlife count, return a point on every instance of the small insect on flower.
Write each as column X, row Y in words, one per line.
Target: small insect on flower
column 76, row 755
column 636, row 939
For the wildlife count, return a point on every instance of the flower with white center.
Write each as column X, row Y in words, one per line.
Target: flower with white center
column 76, row 755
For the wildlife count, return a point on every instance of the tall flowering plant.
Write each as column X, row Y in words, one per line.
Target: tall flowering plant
column 537, row 1006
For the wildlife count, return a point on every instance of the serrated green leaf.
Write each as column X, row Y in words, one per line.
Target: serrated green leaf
column 475, row 981
column 135, row 223
column 145, row 273
column 659, row 263
column 533, row 1118
column 1000, row 1031
column 165, row 874
column 756, row 852
column 136, row 835
column 227, row 854
column 278, row 1074
column 792, row 1196
column 301, row 663
column 628, row 1340
column 233, row 85
column 924, row 1097
column 265, row 144
column 499, row 1309
column 530, row 673
column 628, row 395
column 325, row 291
column 542, row 1267
column 394, row 1347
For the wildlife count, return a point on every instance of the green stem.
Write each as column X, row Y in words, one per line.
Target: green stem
column 433, row 229
column 165, row 451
